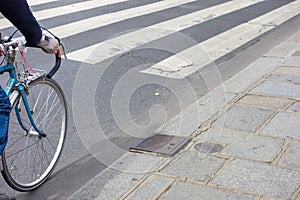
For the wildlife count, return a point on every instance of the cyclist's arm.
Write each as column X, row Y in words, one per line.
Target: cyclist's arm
column 20, row 15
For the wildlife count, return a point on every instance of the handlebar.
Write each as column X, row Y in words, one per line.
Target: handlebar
column 56, row 65
column 21, row 42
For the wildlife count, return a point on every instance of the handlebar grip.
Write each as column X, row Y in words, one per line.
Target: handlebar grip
column 56, row 66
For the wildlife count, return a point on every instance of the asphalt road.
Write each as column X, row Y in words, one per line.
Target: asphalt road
column 112, row 104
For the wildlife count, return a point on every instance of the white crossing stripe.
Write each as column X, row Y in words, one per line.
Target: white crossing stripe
column 38, row 2
column 102, row 20
column 63, row 10
column 123, row 43
column 196, row 57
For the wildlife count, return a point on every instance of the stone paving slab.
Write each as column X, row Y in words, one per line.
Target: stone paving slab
column 251, row 74
column 297, row 53
column 258, row 178
column 243, row 118
column 182, row 191
column 295, row 107
column 283, row 125
column 293, row 61
column 285, row 89
column 125, row 173
column 297, row 195
column 138, row 163
column 295, row 79
column 200, row 166
column 264, row 101
column 154, row 186
column 104, row 186
column 282, row 49
column 242, row 145
column 287, row 70
column 291, row 157
column 188, row 121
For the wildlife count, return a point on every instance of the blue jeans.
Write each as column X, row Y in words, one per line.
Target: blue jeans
column 4, row 118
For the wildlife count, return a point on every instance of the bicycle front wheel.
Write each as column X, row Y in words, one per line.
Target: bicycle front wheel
column 29, row 159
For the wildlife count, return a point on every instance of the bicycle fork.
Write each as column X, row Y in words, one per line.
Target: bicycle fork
column 34, row 131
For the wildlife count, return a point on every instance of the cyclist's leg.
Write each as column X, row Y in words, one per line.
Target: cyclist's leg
column 4, row 118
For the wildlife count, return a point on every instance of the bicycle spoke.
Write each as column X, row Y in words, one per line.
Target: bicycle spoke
column 58, row 113
column 36, row 100
column 48, row 113
column 20, row 151
column 45, row 104
column 30, row 158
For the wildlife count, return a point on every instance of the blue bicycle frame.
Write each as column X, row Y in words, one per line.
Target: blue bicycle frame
column 14, row 85
column 15, row 88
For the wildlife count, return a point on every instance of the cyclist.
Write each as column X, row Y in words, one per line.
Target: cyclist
column 4, row 118
column 20, row 15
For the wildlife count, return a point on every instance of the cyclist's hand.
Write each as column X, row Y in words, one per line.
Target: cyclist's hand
column 1, row 50
column 48, row 44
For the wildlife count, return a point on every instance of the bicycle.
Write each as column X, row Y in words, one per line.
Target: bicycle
column 38, row 119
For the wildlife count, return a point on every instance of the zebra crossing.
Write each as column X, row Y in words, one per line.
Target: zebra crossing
column 100, row 21
column 37, row 2
column 226, row 43
column 94, row 31
column 156, row 31
column 67, row 9
column 258, row 17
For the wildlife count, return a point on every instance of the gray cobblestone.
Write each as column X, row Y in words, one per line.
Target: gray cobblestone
column 243, row 145
column 287, row 70
column 259, row 178
column 200, row 166
column 243, row 118
column 181, row 191
column 137, row 163
column 188, row 121
column 152, row 188
column 104, row 186
column 285, row 77
column 285, row 89
column 264, row 101
column 283, row 125
column 292, row 61
column 251, row 74
column 291, row 157
column 295, row 107
column 297, row 53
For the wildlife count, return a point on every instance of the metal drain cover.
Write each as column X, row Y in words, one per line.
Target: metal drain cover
column 207, row 147
column 161, row 144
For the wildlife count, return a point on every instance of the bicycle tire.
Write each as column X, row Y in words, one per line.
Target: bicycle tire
column 29, row 159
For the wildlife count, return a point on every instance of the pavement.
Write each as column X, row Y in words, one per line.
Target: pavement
column 246, row 147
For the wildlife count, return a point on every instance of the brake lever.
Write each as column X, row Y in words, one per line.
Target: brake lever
column 63, row 49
